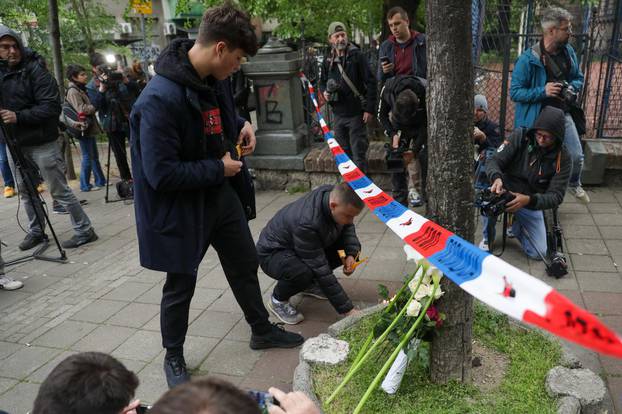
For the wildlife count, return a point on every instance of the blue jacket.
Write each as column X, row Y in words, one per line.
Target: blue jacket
column 175, row 175
column 528, row 80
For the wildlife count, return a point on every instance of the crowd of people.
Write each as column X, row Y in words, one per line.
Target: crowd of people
column 192, row 188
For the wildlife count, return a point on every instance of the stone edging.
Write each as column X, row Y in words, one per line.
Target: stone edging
column 568, row 402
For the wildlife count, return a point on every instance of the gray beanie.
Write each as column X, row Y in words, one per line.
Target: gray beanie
column 481, row 103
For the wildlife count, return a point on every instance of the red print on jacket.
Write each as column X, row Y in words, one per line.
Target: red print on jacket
column 211, row 122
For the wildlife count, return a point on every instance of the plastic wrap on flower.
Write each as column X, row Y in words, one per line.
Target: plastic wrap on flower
column 394, row 377
column 413, row 308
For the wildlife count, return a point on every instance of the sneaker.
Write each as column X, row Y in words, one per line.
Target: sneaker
column 414, row 198
column 579, row 193
column 285, row 312
column 96, row 188
column 30, row 241
column 276, row 338
column 77, row 241
column 6, row 283
column 41, row 188
column 315, row 292
column 484, row 245
column 57, row 208
column 175, row 371
column 509, row 233
column 9, row 192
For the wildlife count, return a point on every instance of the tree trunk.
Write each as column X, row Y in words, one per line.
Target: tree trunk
column 58, row 71
column 450, row 177
column 411, row 9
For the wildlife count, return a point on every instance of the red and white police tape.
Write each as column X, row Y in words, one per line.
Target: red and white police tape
column 484, row 276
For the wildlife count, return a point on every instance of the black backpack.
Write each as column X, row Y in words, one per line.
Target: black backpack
column 125, row 189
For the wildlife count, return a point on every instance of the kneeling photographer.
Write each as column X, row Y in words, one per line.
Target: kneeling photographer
column 533, row 167
column 402, row 114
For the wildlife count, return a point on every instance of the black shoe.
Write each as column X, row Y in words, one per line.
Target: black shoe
column 30, row 241
column 77, row 241
column 276, row 338
column 175, row 371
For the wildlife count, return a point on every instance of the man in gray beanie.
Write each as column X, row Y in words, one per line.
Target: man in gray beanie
column 29, row 108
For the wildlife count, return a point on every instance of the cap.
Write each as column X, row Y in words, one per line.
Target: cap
column 481, row 103
column 335, row 27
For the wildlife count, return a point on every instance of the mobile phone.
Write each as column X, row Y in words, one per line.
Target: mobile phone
column 143, row 409
column 264, row 400
column 385, row 60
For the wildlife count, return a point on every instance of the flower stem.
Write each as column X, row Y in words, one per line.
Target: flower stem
column 380, row 339
column 397, row 350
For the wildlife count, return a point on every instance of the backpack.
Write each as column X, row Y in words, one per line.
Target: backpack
column 125, row 189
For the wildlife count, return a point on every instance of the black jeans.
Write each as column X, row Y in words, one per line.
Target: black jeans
column 116, row 140
column 399, row 181
column 351, row 134
column 292, row 274
column 230, row 235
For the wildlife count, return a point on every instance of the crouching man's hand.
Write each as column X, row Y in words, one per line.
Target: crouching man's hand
column 353, row 311
column 520, row 201
column 497, row 186
column 349, row 265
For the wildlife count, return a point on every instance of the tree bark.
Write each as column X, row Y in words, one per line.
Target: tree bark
column 409, row 5
column 450, row 176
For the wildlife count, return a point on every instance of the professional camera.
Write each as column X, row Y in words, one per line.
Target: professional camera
column 491, row 204
column 108, row 75
column 331, row 88
column 394, row 157
column 568, row 93
column 557, row 266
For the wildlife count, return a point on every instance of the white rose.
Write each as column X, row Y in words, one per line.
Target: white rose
column 413, row 308
column 424, row 290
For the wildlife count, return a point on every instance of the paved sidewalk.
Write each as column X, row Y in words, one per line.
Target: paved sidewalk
column 103, row 300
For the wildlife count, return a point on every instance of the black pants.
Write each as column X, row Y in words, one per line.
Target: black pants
column 292, row 274
column 399, row 181
column 228, row 232
column 351, row 134
column 116, row 141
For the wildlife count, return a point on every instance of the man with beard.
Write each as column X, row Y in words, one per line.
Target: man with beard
column 548, row 74
column 184, row 131
column 350, row 89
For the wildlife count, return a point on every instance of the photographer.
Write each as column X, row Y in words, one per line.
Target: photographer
column 487, row 137
column 113, row 99
column 534, row 167
column 350, row 89
column 548, row 74
column 402, row 113
column 30, row 107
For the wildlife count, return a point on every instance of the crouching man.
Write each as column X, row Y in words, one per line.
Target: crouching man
column 299, row 248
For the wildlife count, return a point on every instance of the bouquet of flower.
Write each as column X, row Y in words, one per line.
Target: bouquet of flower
column 408, row 319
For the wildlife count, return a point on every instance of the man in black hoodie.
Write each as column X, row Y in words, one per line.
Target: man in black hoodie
column 534, row 166
column 184, row 132
column 30, row 107
column 350, row 88
column 402, row 114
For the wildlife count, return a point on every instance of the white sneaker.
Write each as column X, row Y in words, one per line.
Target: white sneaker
column 579, row 193
column 6, row 283
column 484, row 245
column 509, row 233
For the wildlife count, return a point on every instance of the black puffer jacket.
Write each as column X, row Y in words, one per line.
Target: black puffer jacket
column 306, row 227
column 526, row 168
column 30, row 91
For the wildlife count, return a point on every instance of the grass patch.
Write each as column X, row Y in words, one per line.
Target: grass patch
column 521, row 391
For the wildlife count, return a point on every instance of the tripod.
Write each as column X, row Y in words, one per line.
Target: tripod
column 29, row 177
column 106, row 199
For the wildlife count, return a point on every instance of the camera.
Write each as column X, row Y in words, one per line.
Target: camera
column 491, row 204
column 394, row 157
column 331, row 88
column 558, row 266
column 568, row 93
column 264, row 400
column 109, row 76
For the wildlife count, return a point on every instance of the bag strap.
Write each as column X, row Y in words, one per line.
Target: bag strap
column 349, row 82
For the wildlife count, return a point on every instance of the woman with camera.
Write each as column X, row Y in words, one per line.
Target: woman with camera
column 79, row 100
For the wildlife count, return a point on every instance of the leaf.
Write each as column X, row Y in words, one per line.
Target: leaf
column 383, row 292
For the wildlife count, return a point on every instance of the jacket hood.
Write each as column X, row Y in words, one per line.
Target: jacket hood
column 5, row 31
column 174, row 64
column 552, row 120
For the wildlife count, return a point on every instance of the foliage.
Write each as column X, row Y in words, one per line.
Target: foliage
column 531, row 355
column 82, row 23
column 317, row 14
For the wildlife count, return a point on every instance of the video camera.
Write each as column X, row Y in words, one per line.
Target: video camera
column 492, row 204
column 331, row 89
column 109, row 76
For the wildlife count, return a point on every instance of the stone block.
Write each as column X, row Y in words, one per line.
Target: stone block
column 324, row 349
column 65, row 334
column 581, row 384
column 568, row 405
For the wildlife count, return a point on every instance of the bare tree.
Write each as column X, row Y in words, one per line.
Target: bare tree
column 450, row 178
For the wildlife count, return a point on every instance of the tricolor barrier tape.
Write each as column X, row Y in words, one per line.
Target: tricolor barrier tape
column 484, row 276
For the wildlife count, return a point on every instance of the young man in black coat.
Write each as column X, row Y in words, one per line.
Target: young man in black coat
column 298, row 247
column 183, row 134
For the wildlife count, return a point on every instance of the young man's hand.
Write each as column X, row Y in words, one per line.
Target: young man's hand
column 520, row 201
column 232, row 167
column 497, row 186
column 292, row 403
column 387, row 67
column 348, row 265
column 247, row 139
